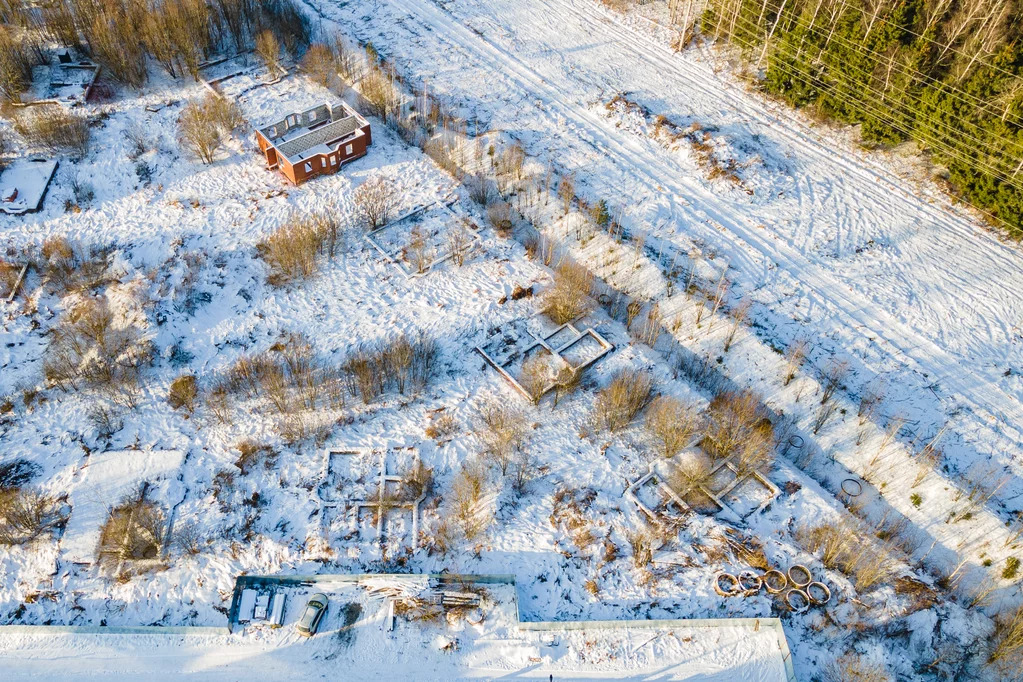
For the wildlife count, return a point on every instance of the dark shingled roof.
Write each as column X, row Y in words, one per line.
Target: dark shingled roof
column 292, row 149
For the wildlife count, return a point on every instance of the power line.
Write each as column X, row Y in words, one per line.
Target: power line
column 932, row 41
column 904, row 70
column 800, row 76
column 949, row 129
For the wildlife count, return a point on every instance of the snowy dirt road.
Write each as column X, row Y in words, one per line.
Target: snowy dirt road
column 831, row 244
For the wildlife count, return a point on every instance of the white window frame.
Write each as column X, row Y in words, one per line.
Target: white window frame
column 348, row 149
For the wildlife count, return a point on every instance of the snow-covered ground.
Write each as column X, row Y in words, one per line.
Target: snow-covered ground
column 360, row 635
column 845, row 249
column 109, row 477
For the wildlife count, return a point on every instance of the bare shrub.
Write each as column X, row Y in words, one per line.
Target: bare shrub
column 672, row 423
column 137, row 138
column 570, row 510
column 690, row 471
column 831, row 379
column 15, row 65
column 105, row 420
column 59, row 260
column 67, row 269
column 25, row 514
column 381, row 94
column 87, row 349
column 183, row 393
column 828, row 541
column 375, row 199
column 479, row 187
column 524, row 469
column 853, row 668
column 739, row 314
column 292, row 379
column 622, row 399
column 824, row 413
column 442, row 426
column 269, row 50
column 8, row 277
column 203, row 125
column 982, row 483
column 566, row 192
column 794, row 357
column 189, row 538
column 225, row 113
column 459, row 239
column 418, row 251
column 407, row 363
column 466, row 499
column 569, row 298
column 850, row 548
column 319, row 62
column 365, row 372
column 536, row 376
column 291, row 249
column 642, row 544
column 54, row 129
column 416, row 482
column 870, row 401
column 566, row 381
column 502, row 430
column 349, row 66
column 499, row 216
column 134, row 531
column 218, row 402
column 738, row 427
column 199, row 132
column 253, row 455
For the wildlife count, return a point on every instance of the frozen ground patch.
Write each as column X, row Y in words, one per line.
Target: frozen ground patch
column 106, row 478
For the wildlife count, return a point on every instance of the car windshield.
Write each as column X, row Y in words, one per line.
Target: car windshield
column 307, row 617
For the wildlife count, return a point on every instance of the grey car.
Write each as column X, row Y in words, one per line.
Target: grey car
column 313, row 614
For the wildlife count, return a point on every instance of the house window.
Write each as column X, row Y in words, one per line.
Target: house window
column 308, row 168
column 323, row 162
column 348, row 149
column 333, row 160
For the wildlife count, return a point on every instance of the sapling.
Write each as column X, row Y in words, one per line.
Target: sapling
column 794, row 357
column 738, row 316
column 831, row 379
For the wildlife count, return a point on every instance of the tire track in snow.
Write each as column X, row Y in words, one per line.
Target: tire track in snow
column 860, row 315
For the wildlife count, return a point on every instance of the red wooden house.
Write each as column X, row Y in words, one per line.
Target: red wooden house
column 315, row 142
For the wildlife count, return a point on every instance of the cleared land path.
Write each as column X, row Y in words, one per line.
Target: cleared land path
column 547, row 67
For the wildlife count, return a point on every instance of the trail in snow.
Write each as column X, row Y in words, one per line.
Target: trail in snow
column 557, row 54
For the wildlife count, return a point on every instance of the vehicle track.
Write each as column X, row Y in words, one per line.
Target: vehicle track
column 760, row 252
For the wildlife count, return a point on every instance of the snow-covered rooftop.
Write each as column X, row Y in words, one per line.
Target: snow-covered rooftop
column 491, row 644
